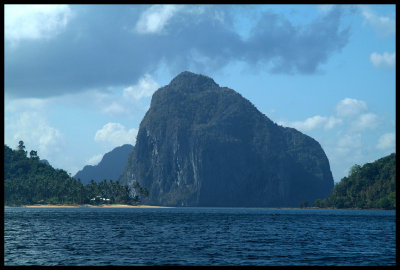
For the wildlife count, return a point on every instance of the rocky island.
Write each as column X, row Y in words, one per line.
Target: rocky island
column 200, row 144
column 111, row 166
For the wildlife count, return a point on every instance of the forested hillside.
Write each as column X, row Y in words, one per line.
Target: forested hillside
column 370, row 186
column 27, row 180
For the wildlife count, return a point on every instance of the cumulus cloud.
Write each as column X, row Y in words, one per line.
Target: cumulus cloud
column 29, row 120
column 114, row 108
column 34, row 21
column 387, row 141
column 154, row 19
column 332, row 122
column 310, row 123
column 383, row 25
column 295, row 48
column 33, row 128
column 350, row 107
column 348, row 143
column 145, row 88
column 98, row 48
column 25, row 104
column 383, row 60
column 111, row 102
column 315, row 122
column 365, row 121
column 126, row 101
column 355, row 110
column 115, row 134
column 94, row 160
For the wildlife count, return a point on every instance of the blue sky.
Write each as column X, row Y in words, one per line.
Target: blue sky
column 79, row 78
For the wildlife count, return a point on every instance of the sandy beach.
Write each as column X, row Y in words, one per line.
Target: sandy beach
column 98, row 206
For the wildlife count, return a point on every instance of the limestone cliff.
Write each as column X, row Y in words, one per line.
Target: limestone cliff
column 204, row 145
column 110, row 167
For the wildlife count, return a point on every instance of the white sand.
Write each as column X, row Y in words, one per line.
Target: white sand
column 100, row 206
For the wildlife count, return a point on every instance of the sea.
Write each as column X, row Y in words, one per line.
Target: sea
column 198, row 236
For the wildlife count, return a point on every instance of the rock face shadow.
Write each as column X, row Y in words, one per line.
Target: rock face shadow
column 200, row 144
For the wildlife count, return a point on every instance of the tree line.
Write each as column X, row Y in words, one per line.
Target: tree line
column 372, row 185
column 27, row 180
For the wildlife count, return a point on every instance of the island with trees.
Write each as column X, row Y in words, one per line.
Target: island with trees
column 30, row 181
column 371, row 186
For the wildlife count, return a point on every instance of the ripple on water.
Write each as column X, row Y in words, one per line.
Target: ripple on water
column 198, row 236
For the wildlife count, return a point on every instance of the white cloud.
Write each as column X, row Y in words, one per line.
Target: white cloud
column 387, row 141
column 115, row 101
column 219, row 16
column 34, row 21
column 365, row 121
column 114, row 108
column 32, row 128
column 348, row 143
column 94, row 160
column 325, row 8
column 332, row 122
column 27, row 120
column 25, row 104
column 350, row 107
column 384, row 26
column 145, row 88
column 351, row 143
column 155, row 18
column 310, row 123
column 315, row 122
column 383, row 60
column 115, row 134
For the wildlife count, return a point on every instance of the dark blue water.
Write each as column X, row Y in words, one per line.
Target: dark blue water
column 198, row 236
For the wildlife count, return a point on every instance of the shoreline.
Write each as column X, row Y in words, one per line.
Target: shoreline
column 158, row 206
column 91, row 206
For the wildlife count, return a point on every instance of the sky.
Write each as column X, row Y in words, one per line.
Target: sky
column 78, row 79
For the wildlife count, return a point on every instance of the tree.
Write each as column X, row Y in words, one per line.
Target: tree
column 33, row 155
column 372, row 185
column 21, row 148
column 354, row 170
column 28, row 180
column 317, row 203
column 304, row 204
column 384, row 203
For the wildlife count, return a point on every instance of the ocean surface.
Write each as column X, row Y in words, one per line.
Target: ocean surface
column 198, row 236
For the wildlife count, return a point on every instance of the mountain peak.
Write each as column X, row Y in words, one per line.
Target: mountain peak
column 189, row 81
column 204, row 145
column 110, row 167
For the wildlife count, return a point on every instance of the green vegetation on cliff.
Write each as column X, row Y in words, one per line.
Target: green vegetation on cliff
column 370, row 186
column 27, row 180
column 200, row 144
column 111, row 166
